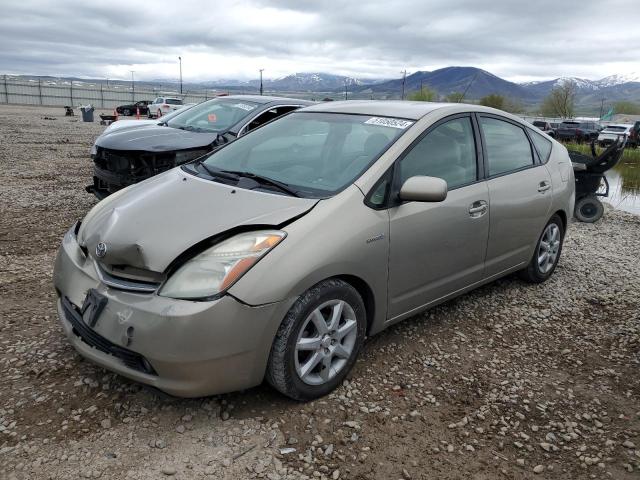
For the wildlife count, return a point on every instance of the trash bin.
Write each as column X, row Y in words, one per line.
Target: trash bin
column 87, row 113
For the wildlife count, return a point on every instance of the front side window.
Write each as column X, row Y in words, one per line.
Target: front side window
column 216, row 115
column 269, row 115
column 448, row 152
column 317, row 154
column 507, row 146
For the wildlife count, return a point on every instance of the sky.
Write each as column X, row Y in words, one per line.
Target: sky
column 514, row 39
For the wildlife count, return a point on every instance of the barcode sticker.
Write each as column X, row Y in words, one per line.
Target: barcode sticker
column 389, row 122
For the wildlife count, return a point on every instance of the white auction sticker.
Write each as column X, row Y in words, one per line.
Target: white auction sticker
column 244, row 106
column 389, row 122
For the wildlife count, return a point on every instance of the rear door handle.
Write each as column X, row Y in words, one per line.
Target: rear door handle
column 544, row 186
column 478, row 209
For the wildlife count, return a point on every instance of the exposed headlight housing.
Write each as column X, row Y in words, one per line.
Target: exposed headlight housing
column 185, row 156
column 217, row 268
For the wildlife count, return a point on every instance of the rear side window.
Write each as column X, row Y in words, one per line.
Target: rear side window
column 542, row 145
column 507, row 146
column 448, row 152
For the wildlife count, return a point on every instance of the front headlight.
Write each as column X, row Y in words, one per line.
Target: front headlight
column 217, row 268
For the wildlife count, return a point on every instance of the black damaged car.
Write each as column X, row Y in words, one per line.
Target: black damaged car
column 131, row 109
column 124, row 157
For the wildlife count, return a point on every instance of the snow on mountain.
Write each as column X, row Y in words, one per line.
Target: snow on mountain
column 619, row 79
column 581, row 83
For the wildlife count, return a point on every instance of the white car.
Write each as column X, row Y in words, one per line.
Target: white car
column 612, row 132
column 164, row 105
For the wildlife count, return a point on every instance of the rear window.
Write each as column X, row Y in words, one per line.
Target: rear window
column 539, row 124
column 615, row 128
column 542, row 145
column 174, row 101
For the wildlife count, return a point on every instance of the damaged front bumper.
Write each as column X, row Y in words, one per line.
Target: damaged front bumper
column 184, row 348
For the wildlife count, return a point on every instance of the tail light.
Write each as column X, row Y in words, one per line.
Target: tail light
column 165, row 107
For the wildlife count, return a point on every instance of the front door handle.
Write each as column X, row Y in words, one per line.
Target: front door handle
column 544, row 186
column 478, row 209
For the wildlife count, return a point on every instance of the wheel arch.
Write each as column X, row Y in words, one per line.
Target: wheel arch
column 365, row 292
column 563, row 216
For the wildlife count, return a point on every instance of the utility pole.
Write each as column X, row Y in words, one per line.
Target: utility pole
column 601, row 108
column 133, row 91
column 261, row 89
column 180, row 59
column 346, row 91
column 404, row 78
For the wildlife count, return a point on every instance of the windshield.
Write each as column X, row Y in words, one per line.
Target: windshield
column 216, row 115
column 173, row 101
column 315, row 154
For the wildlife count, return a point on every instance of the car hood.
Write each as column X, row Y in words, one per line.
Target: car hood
column 155, row 138
column 149, row 224
column 128, row 124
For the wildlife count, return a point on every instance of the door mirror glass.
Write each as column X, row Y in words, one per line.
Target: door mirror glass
column 423, row 189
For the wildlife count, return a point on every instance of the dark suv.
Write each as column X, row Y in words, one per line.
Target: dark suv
column 634, row 135
column 546, row 127
column 577, row 131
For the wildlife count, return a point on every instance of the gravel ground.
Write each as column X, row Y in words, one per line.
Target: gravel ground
column 510, row 381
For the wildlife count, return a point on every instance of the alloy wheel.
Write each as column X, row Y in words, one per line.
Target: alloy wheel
column 326, row 342
column 548, row 248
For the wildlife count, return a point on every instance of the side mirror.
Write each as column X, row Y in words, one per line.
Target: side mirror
column 423, row 189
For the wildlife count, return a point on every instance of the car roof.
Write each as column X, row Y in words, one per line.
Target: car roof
column 264, row 99
column 385, row 108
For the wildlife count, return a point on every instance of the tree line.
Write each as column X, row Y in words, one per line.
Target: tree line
column 560, row 102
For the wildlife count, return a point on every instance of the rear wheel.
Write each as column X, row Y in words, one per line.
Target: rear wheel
column 588, row 209
column 318, row 341
column 547, row 253
column 126, row 112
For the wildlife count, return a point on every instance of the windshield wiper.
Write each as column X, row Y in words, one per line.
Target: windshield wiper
column 190, row 128
column 283, row 187
column 216, row 172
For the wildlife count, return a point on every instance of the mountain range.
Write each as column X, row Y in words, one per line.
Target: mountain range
column 475, row 82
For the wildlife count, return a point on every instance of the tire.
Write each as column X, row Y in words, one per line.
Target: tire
column 158, row 114
column 126, row 112
column 588, row 209
column 286, row 367
column 538, row 270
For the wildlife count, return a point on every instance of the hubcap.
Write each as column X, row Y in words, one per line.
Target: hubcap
column 325, row 342
column 549, row 248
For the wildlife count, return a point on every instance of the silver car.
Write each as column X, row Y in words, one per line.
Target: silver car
column 275, row 256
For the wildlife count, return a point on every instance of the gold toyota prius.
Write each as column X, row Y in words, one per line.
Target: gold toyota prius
column 275, row 256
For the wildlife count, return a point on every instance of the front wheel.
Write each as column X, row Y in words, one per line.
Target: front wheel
column 318, row 341
column 588, row 209
column 547, row 253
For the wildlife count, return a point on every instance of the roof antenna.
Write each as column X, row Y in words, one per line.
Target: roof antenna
column 468, row 87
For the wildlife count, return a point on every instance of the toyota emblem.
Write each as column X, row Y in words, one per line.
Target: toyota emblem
column 101, row 249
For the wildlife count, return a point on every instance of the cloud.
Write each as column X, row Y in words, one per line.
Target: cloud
column 514, row 39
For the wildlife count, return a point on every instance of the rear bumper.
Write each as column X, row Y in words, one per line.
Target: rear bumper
column 184, row 348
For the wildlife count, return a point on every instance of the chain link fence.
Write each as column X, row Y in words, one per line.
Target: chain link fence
column 74, row 93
